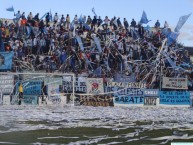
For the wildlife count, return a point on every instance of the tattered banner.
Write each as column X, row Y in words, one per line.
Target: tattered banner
column 175, row 83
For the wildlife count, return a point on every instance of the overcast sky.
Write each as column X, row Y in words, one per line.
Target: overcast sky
column 169, row 10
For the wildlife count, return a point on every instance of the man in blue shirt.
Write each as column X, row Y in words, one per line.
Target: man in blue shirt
column 157, row 24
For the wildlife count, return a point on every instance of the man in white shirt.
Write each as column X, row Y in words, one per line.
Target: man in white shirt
column 55, row 18
column 17, row 17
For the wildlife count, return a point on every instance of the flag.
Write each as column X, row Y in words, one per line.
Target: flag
column 165, row 31
column 182, row 20
column 80, row 42
column 87, row 27
column 94, row 12
column 80, row 19
column 10, row 9
column 43, row 15
column 50, row 15
column 6, row 60
column 172, row 37
column 72, row 25
column 144, row 19
column 171, row 62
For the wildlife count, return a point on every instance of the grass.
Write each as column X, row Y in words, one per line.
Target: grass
column 86, row 133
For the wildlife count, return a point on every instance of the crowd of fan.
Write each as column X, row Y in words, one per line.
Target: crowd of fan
column 129, row 50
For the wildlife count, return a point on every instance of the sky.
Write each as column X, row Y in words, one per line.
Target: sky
column 162, row 10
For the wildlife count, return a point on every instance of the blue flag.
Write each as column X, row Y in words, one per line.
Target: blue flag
column 80, row 19
column 50, row 15
column 87, row 27
column 6, row 60
column 80, row 42
column 172, row 37
column 72, row 25
column 182, row 20
column 144, row 19
column 96, row 40
column 10, row 9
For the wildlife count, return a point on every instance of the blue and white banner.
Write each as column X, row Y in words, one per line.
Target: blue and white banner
column 128, row 100
column 126, row 96
column 174, row 98
column 6, row 60
column 127, row 84
column 172, row 37
column 120, row 91
column 151, row 92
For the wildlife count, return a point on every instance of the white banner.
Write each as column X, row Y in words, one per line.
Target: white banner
column 6, row 84
column 127, row 84
column 95, row 85
column 79, row 83
column 53, row 89
column 175, row 83
column 53, row 80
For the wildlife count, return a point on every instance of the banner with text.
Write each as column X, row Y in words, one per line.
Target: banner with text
column 127, row 84
column 79, row 84
column 174, row 98
column 94, row 100
column 126, row 96
column 150, row 101
column 175, row 83
column 6, row 84
column 53, row 90
column 120, row 91
column 151, row 92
